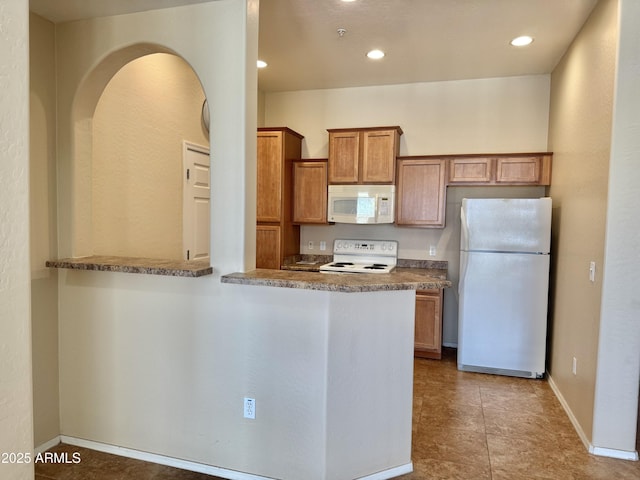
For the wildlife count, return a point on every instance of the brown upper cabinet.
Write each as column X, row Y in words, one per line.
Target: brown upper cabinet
column 363, row 155
column 310, row 191
column 509, row 169
column 421, row 192
column 276, row 235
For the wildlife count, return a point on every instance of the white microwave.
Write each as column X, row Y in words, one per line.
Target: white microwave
column 361, row 203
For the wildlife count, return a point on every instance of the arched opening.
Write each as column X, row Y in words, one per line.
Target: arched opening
column 132, row 117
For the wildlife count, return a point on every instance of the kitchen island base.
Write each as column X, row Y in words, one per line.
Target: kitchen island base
column 332, row 378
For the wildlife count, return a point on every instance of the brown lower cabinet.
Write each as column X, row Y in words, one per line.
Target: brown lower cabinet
column 428, row 328
column 268, row 246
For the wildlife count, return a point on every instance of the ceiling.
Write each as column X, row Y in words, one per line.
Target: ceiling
column 68, row 10
column 424, row 40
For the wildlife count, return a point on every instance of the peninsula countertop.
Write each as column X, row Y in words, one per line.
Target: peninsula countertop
column 148, row 266
column 401, row 278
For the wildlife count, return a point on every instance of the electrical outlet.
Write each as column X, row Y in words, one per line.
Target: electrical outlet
column 310, row 245
column 574, row 366
column 249, row 408
column 323, row 245
column 432, row 251
column 592, row 271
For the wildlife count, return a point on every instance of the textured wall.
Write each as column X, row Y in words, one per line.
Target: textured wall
column 145, row 112
column 467, row 116
column 136, row 350
column 16, row 434
column 616, row 402
column 580, row 134
column 44, row 242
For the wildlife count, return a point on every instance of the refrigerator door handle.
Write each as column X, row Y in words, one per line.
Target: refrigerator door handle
column 464, row 259
column 464, row 237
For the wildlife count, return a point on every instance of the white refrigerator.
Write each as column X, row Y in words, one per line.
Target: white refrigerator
column 503, row 286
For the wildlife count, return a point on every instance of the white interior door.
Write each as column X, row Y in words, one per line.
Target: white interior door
column 196, row 202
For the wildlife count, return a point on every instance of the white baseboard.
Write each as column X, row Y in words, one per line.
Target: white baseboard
column 47, row 445
column 613, row 453
column 600, row 451
column 390, row 473
column 161, row 459
column 200, row 467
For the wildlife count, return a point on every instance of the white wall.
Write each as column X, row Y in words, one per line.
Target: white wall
column 44, row 242
column 467, row 116
column 616, row 393
column 160, row 364
column 471, row 116
column 16, row 419
column 90, row 52
column 580, row 131
column 146, row 343
column 594, row 129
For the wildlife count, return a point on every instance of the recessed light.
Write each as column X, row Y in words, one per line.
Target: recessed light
column 375, row 54
column 522, row 41
column 262, row 64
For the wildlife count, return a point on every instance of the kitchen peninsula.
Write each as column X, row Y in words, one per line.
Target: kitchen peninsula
column 330, row 365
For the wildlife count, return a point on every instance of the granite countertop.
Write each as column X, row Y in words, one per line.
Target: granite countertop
column 148, row 266
column 312, row 263
column 305, row 262
column 425, row 276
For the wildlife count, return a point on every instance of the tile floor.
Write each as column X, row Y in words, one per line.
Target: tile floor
column 477, row 426
column 466, row 426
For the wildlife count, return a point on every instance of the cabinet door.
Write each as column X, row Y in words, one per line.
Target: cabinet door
column 379, row 151
column 469, row 171
column 268, row 247
column 269, row 177
column 522, row 170
column 310, row 192
column 344, row 157
column 421, row 193
column 428, row 327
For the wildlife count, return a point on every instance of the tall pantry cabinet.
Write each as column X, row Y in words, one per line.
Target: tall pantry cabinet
column 276, row 235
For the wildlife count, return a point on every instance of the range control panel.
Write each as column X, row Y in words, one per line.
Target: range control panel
column 365, row 247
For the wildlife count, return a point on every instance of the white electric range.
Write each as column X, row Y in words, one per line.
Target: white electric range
column 362, row 256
